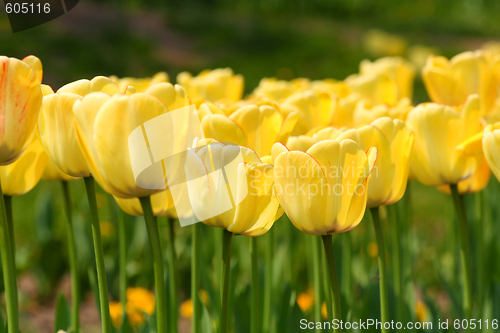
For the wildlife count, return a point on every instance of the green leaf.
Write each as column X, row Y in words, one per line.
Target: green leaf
column 44, row 218
column 95, row 288
column 151, row 324
column 126, row 328
column 207, row 323
column 114, row 329
column 63, row 314
column 145, row 327
column 3, row 327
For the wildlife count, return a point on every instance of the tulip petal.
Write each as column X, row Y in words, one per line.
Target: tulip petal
column 113, row 123
column 58, row 134
column 223, row 129
column 277, row 149
column 261, row 126
column 299, row 181
column 20, row 100
column 36, row 64
column 22, row 175
column 287, row 127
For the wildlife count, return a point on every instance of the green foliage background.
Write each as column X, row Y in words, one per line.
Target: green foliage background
column 316, row 39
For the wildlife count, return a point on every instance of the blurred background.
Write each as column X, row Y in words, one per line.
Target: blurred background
column 274, row 38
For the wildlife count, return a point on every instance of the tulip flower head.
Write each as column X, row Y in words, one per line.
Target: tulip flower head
column 447, row 142
column 161, row 202
column 394, row 143
column 140, row 301
column 56, row 123
column 450, row 82
column 253, row 126
column 380, row 43
column 20, row 100
column 22, row 175
column 103, row 126
column 53, row 173
column 218, row 85
column 491, row 146
column 278, row 90
column 324, row 190
column 314, row 109
column 365, row 113
column 232, row 188
column 475, row 183
column 384, row 81
column 140, row 84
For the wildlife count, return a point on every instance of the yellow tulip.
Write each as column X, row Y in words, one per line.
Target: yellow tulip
column 304, row 142
column 450, row 82
column 305, row 300
column 116, row 313
column 384, row 81
column 140, row 84
column 103, row 125
column 218, row 85
column 272, row 89
column 84, row 87
column 251, row 126
column 277, row 90
column 22, row 175
column 339, row 88
column 365, row 113
column 492, row 47
column 394, row 143
column 380, row 43
column 324, row 190
column 217, row 108
column 161, row 202
column 253, row 207
column 491, row 146
column 447, row 142
column 53, row 173
column 475, row 183
column 301, row 142
column 56, row 123
column 20, row 100
column 315, row 110
column 140, row 301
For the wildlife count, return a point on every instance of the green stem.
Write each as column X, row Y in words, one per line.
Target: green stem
column 195, row 278
column 317, row 279
column 384, row 299
column 255, row 317
column 8, row 264
column 334, row 285
column 396, row 252
column 99, row 255
column 122, row 244
column 226, row 270
column 73, row 261
column 154, row 239
column 326, row 285
column 217, row 235
column 172, row 267
column 346, row 273
column 10, row 221
column 268, row 280
column 458, row 202
column 481, row 250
